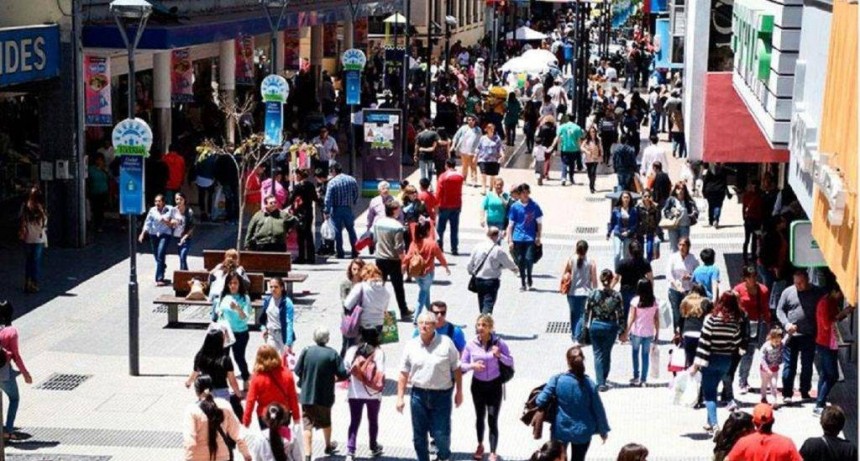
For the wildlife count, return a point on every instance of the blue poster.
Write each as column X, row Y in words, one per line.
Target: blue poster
column 273, row 135
column 131, row 185
column 353, row 87
column 29, row 54
column 662, row 43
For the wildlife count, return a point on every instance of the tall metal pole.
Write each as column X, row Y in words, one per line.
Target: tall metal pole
column 273, row 62
column 430, row 4
column 404, row 105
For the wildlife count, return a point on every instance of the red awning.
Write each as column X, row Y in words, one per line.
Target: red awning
column 731, row 133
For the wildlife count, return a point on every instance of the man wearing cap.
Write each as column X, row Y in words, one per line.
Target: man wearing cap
column 796, row 313
column 763, row 444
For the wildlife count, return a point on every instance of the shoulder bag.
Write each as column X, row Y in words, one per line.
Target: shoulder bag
column 349, row 325
column 473, row 281
column 505, row 372
column 585, row 335
column 566, row 279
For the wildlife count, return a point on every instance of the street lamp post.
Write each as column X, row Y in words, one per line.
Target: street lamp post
column 280, row 6
column 450, row 21
column 131, row 13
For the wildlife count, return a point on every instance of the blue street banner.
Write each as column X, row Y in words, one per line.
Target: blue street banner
column 353, row 87
column 28, row 54
column 381, row 159
column 273, row 134
column 131, row 200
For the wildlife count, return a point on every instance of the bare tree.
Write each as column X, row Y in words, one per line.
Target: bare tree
column 249, row 153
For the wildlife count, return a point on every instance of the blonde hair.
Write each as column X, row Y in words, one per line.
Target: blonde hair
column 486, row 318
column 371, row 272
column 267, row 359
column 776, row 332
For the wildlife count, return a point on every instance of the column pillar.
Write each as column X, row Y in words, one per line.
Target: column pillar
column 316, row 53
column 348, row 33
column 281, row 52
column 227, row 83
column 161, row 102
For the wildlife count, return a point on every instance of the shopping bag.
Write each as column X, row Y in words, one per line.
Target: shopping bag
column 390, row 333
column 350, row 323
column 677, row 360
column 290, row 360
column 687, row 389
column 665, row 311
column 327, row 230
column 654, row 371
column 364, row 241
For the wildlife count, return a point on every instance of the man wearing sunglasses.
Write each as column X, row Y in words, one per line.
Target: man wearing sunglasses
column 443, row 327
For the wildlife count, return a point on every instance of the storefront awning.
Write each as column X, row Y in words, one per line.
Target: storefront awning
column 731, row 133
column 221, row 27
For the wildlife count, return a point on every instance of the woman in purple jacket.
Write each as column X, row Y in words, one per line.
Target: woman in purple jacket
column 483, row 355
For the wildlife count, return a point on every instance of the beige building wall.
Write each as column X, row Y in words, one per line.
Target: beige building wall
column 16, row 13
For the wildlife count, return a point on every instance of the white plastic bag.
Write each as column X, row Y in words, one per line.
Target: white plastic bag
column 654, row 371
column 327, row 231
column 686, row 389
column 665, row 311
column 677, row 360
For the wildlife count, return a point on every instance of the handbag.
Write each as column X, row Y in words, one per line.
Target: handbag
column 564, row 285
column 654, row 371
column 505, row 372
column 585, row 335
column 670, row 223
column 349, row 325
column 538, row 253
column 473, row 281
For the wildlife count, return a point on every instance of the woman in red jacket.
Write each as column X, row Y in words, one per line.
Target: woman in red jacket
column 271, row 383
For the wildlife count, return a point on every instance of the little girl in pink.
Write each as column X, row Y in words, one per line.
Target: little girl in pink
column 771, row 358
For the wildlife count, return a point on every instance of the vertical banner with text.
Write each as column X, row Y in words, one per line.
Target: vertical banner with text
column 353, row 61
column 132, row 139
column 382, row 149
column 274, row 89
column 182, row 76
column 245, row 60
column 97, row 91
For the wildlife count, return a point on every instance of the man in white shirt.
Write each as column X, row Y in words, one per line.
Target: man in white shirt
column 559, row 96
column 653, row 153
column 327, row 149
column 486, row 263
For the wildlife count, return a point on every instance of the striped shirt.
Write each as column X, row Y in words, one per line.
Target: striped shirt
column 719, row 336
column 342, row 191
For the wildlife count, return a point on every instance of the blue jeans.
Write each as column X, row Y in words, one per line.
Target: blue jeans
column 577, row 309
column 159, row 244
column 627, row 295
column 620, row 248
column 488, row 291
column 342, row 218
column 525, row 259
column 431, row 412
column 603, row 336
column 651, row 247
column 747, row 359
column 33, row 266
column 712, row 374
column 424, row 283
column 427, row 167
column 803, row 346
column 10, row 388
column 715, row 208
column 641, row 346
column 675, row 298
column 624, row 180
column 451, row 215
column 828, row 373
column 184, row 249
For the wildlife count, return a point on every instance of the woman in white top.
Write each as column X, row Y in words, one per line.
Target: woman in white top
column 465, row 144
column 183, row 226
column 34, row 233
column 582, row 274
column 679, row 274
column 279, row 442
column 373, row 297
column 361, row 392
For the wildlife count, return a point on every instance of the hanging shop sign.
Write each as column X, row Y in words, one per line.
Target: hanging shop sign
column 382, row 149
column 274, row 90
column 29, row 54
column 291, row 49
column 803, row 249
column 245, row 60
column 182, row 76
column 97, row 91
column 132, row 139
column 353, row 61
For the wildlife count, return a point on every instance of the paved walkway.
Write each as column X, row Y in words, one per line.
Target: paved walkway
column 81, row 328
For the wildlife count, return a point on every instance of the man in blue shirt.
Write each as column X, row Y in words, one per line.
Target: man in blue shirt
column 524, row 230
column 340, row 195
column 443, row 327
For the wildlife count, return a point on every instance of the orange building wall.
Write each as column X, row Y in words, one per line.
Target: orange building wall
column 839, row 138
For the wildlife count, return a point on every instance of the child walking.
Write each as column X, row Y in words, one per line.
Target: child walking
column 771, row 358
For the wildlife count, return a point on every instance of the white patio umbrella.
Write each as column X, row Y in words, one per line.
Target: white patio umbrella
column 540, row 55
column 395, row 18
column 526, row 33
column 521, row 64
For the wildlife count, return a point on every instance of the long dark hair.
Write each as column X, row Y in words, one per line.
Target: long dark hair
column 226, row 290
column 645, row 291
column 550, row 451
column 738, row 424
column 581, row 250
column 215, row 415
column 576, row 362
column 277, row 417
column 211, row 353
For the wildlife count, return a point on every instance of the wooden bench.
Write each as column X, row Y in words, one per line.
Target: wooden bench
column 181, row 288
column 268, row 263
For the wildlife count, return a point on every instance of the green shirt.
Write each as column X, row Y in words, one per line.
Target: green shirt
column 97, row 180
column 317, row 368
column 570, row 134
column 495, row 208
column 237, row 323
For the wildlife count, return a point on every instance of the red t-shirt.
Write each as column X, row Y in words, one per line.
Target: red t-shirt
column 252, row 188
column 450, row 190
column 430, row 202
column 764, row 447
column 175, row 170
column 756, row 307
column 825, row 314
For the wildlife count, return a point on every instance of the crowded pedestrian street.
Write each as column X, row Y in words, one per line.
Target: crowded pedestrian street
column 539, row 230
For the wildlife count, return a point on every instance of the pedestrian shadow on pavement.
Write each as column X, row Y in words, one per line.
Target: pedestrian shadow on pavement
column 544, row 276
column 700, row 436
column 508, row 337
